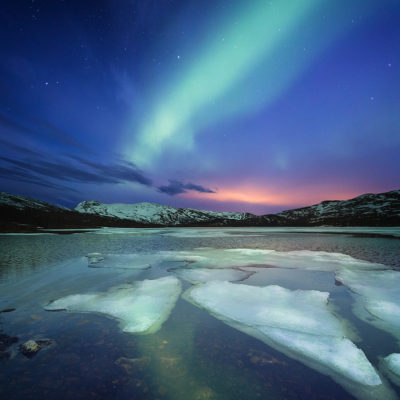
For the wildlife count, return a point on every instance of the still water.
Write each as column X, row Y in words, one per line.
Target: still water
column 194, row 355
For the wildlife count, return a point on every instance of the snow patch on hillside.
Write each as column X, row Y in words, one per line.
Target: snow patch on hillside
column 152, row 213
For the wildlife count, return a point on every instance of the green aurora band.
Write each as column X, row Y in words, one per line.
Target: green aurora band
column 253, row 58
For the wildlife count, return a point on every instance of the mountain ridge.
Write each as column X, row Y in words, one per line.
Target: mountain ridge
column 20, row 213
column 368, row 206
column 146, row 212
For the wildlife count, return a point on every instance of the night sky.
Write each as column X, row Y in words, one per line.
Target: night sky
column 253, row 105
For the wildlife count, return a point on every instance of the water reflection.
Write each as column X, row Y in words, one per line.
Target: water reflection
column 193, row 356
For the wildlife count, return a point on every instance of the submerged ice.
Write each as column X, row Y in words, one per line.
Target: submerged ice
column 248, row 260
column 302, row 259
column 122, row 261
column 141, row 307
column 378, row 297
column 200, row 275
column 299, row 323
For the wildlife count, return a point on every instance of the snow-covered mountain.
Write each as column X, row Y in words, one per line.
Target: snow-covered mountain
column 19, row 213
column 151, row 213
column 22, row 202
column 23, row 214
column 367, row 208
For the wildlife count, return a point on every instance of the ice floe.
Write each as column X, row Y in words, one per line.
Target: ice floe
column 378, row 302
column 200, row 275
column 141, row 307
column 391, row 367
column 298, row 323
column 302, row 259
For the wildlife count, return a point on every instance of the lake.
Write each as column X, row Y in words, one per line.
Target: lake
column 260, row 325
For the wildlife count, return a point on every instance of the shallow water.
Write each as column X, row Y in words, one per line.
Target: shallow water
column 193, row 355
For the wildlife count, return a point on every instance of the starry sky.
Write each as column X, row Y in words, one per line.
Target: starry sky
column 256, row 106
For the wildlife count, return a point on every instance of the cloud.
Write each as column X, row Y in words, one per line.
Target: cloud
column 7, row 146
column 30, row 162
column 175, row 187
column 122, row 171
column 38, row 128
column 85, row 171
column 44, row 170
column 21, row 175
column 60, row 171
column 198, row 188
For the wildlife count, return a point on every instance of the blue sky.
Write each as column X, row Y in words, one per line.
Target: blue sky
column 252, row 106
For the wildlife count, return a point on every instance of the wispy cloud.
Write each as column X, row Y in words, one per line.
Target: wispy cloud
column 176, row 187
column 38, row 129
column 7, row 147
column 21, row 175
column 121, row 171
column 20, row 164
column 86, row 172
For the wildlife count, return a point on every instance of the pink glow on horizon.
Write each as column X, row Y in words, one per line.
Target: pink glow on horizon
column 293, row 198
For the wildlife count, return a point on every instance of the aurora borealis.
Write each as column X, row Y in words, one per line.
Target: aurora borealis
column 252, row 106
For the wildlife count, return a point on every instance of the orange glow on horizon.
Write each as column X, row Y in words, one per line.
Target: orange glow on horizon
column 256, row 195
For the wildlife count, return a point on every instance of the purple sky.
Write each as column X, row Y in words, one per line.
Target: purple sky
column 236, row 106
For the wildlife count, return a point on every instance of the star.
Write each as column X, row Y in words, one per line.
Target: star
column 178, row 57
column 46, row 83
